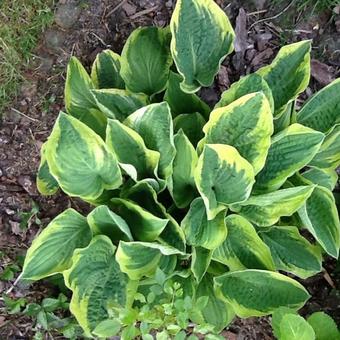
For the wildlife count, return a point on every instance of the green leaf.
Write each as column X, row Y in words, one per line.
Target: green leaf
column 199, row 231
column 103, row 221
column 192, row 125
column 105, row 71
column 320, row 216
column 289, row 73
column 107, row 328
column 259, row 292
column 146, row 60
column 328, row 155
column 182, row 184
column 324, row 326
column 222, row 177
column 200, row 261
column 154, row 124
column 130, row 149
column 202, row 37
column 291, row 252
column 96, row 282
column 118, row 104
column 277, row 316
column 325, row 177
column 143, row 225
column 46, row 183
column 181, row 102
column 51, row 252
column 217, row 312
column 321, row 112
column 245, row 124
column 79, row 159
column 295, row 327
column 243, row 248
column 266, row 209
column 246, row 85
column 138, row 259
column 290, row 150
column 79, row 101
column 145, row 196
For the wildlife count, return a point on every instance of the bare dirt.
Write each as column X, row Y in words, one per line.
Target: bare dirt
column 84, row 28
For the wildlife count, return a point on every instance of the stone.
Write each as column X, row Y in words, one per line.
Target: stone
column 67, row 14
column 54, row 39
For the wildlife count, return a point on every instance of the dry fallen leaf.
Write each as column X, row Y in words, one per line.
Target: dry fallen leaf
column 321, row 72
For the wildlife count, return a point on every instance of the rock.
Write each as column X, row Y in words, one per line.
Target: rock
column 54, row 39
column 67, row 14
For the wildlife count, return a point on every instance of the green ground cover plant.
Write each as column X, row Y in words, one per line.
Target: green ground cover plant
column 21, row 22
column 198, row 213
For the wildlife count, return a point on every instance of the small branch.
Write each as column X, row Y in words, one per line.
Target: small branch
column 273, row 17
column 115, row 8
column 14, row 284
column 22, row 114
column 144, row 12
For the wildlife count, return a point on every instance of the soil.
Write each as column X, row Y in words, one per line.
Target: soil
column 84, row 28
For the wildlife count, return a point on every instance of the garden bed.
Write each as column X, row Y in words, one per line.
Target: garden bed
column 84, row 29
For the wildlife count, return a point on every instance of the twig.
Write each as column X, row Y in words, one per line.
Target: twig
column 14, row 284
column 115, row 8
column 145, row 11
column 257, row 12
column 329, row 280
column 273, row 17
column 22, row 114
column 100, row 39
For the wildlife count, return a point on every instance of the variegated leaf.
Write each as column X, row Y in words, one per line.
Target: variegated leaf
column 192, row 125
column 46, row 183
column 51, row 252
column 245, row 124
column 103, row 221
column 182, row 184
column 290, row 150
column 96, row 282
column 243, row 248
column 181, row 102
column 105, row 72
column 79, row 101
column 289, row 73
column 266, row 209
column 138, row 259
column 79, row 159
column 292, row 252
column 154, row 124
column 144, row 226
column 246, row 85
column 146, row 60
column 199, row 231
column 198, row 56
column 322, row 111
column 259, row 292
column 118, row 104
column 130, row 149
column 222, row 177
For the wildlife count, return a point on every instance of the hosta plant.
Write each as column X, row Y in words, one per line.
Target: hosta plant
column 222, row 201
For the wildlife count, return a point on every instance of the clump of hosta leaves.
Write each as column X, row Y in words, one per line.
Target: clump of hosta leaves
column 214, row 198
